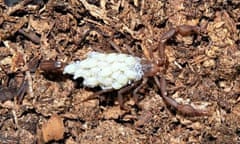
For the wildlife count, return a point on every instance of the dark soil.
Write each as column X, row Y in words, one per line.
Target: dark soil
column 40, row 105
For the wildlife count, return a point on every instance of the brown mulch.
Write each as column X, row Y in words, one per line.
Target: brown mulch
column 39, row 106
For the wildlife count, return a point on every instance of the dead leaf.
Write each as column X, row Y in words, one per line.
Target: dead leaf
column 53, row 129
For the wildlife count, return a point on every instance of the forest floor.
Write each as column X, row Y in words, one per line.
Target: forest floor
column 41, row 105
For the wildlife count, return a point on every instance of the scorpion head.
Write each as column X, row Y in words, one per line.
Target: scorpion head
column 151, row 68
column 156, row 62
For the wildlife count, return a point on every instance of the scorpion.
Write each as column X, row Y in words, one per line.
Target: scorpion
column 133, row 70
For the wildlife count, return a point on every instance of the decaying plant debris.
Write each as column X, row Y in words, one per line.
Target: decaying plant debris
column 203, row 70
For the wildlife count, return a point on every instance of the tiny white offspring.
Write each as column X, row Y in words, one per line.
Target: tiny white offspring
column 109, row 71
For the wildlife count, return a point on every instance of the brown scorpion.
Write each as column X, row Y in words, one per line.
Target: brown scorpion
column 155, row 67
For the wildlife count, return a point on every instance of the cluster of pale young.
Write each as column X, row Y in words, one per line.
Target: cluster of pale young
column 109, row 71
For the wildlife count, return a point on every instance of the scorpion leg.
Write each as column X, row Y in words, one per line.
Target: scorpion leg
column 115, row 46
column 186, row 30
column 120, row 96
column 184, row 109
column 183, row 30
column 166, row 36
column 96, row 95
column 136, row 96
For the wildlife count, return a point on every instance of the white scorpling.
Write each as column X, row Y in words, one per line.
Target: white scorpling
column 109, row 71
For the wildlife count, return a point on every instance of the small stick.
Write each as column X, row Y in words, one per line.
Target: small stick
column 30, row 35
column 18, row 6
column 15, row 119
